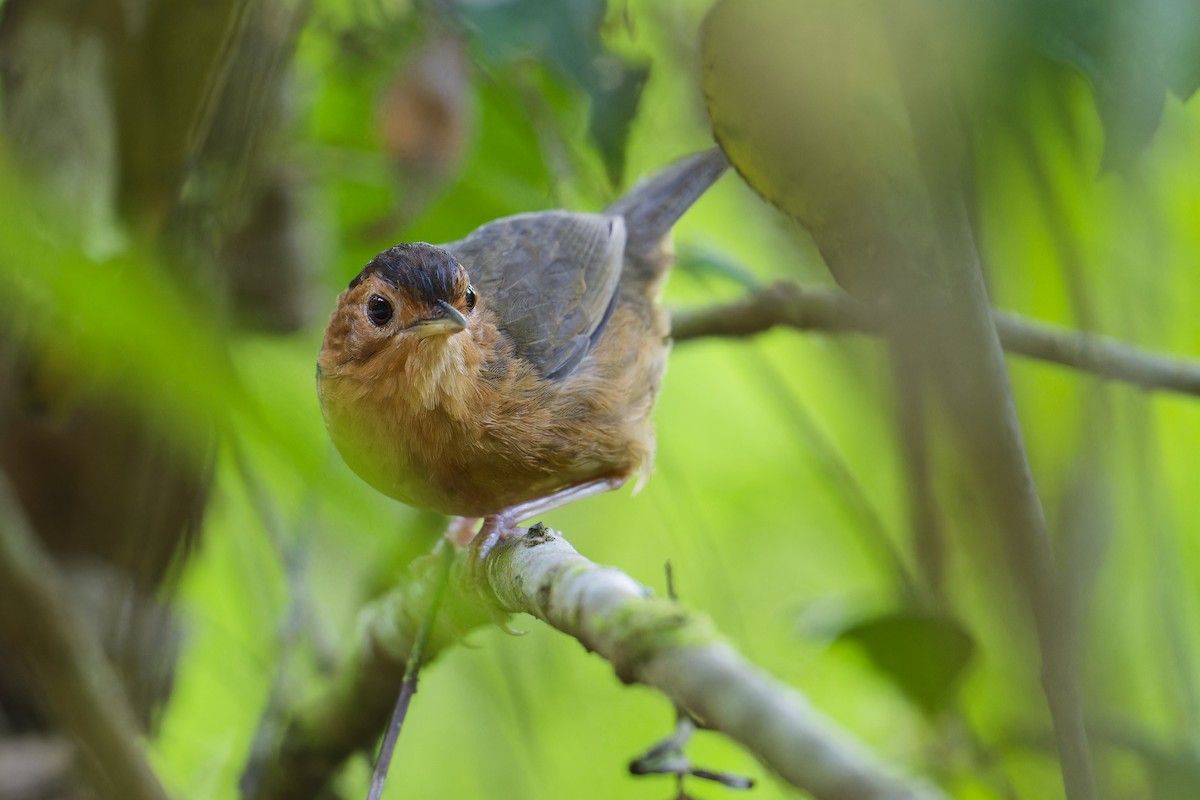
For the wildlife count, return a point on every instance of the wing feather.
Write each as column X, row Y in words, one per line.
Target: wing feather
column 551, row 278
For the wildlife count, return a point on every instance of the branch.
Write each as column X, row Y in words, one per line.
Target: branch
column 65, row 664
column 656, row 642
column 834, row 311
column 648, row 640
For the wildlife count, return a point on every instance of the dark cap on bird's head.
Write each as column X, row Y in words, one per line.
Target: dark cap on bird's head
column 428, row 273
column 406, row 293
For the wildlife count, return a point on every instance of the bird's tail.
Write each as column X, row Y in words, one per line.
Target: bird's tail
column 653, row 206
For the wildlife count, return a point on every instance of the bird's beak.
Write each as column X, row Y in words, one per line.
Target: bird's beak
column 447, row 320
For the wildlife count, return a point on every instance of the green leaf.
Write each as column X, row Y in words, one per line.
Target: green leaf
column 566, row 37
column 806, row 102
column 1131, row 53
column 923, row 655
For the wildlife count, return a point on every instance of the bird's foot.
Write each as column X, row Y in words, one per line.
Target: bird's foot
column 496, row 528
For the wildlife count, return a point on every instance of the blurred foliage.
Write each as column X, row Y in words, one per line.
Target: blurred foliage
column 1132, row 54
column 925, row 656
column 780, row 490
column 566, row 36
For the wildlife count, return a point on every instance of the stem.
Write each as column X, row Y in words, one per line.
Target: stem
column 408, row 687
column 833, row 311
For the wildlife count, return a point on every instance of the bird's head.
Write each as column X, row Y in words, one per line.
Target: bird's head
column 410, row 297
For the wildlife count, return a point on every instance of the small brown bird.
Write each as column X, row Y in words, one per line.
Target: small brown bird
column 512, row 371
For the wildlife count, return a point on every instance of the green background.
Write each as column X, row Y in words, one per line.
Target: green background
column 779, row 492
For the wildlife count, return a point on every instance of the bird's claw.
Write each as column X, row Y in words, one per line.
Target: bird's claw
column 496, row 528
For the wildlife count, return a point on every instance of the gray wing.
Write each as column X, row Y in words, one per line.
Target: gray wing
column 551, row 279
column 653, row 207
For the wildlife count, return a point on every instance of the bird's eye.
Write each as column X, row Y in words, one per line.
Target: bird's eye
column 469, row 297
column 379, row 311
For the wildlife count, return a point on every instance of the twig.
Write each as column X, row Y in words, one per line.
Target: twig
column 297, row 626
column 926, row 532
column 66, row 663
column 834, row 311
column 669, row 757
column 349, row 714
column 412, row 668
column 657, row 643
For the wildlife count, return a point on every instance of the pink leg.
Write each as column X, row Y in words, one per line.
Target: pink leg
column 461, row 530
column 541, row 505
column 500, row 525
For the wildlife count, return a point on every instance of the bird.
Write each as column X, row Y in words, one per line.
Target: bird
column 512, row 371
